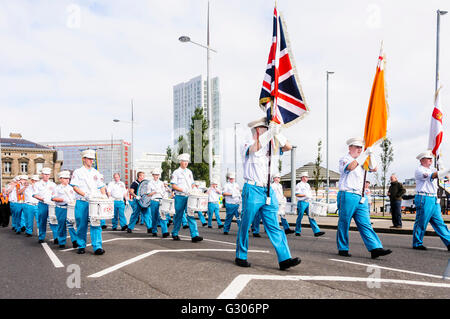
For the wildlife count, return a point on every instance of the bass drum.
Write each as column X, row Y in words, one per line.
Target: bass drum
column 145, row 200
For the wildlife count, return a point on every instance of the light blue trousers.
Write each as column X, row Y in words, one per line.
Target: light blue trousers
column 213, row 209
column 15, row 208
column 428, row 211
column 201, row 217
column 63, row 225
column 302, row 208
column 82, row 218
column 145, row 215
column 284, row 223
column 30, row 212
column 232, row 210
column 156, row 219
column 180, row 211
column 254, row 201
column 119, row 214
column 43, row 219
column 350, row 207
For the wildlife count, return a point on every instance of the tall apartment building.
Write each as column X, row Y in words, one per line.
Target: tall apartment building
column 112, row 156
column 189, row 96
column 148, row 162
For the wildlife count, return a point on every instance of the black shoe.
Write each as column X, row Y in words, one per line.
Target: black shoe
column 209, row 226
column 165, row 235
column 124, row 228
column 185, row 226
column 220, row 226
column 377, row 252
column 22, row 229
column 99, row 251
column 28, row 235
column 242, row 262
column 291, row 262
column 13, row 229
column 75, row 244
column 256, row 235
column 289, row 231
column 176, row 237
column 318, row 234
column 203, row 225
column 448, row 247
column 154, row 235
column 62, row 246
column 40, row 241
column 421, row 247
column 129, row 231
column 344, row 253
column 298, row 234
column 55, row 241
column 114, row 229
column 81, row 251
column 225, row 233
column 18, row 232
column 149, row 230
column 104, row 227
column 197, row 239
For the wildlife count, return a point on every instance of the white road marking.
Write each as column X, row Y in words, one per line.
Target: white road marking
column 387, row 268
column 55, row 260
column 241, row 281
column 150, row 253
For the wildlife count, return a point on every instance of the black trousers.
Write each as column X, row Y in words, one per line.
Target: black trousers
column 396, row 211
column 5, row 212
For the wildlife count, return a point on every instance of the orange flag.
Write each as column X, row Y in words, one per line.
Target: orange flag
column 377, row 111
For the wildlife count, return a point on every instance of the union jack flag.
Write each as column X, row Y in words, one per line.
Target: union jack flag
column 281, row 94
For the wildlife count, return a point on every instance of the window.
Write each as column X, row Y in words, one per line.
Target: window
column 7, row 167
column 39, row 167
column 24, row 167
column 23, row 154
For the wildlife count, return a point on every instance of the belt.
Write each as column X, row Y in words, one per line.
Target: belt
column 118, row 199
column 427, row 194
column 353, row 192
column 62, row 206
column 256, row 183
column 157, row 200
column 32, row 204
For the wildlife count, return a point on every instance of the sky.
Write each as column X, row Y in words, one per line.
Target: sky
column 67, row 68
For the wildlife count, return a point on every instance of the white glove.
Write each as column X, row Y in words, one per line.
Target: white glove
column 104, row 196
column 87, row 196
column 372, row 159
column 138, row 197
column 274, row 129
column 440, row 164
column 281, row 139
column 362, row 158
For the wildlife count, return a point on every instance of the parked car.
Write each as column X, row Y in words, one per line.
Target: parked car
column 332, row 204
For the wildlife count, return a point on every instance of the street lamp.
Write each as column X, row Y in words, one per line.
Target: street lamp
column 438, row 29
column 186, row 39
column 132, row 141
column 328, row 171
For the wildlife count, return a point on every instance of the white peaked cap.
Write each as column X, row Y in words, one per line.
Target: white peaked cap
column 355, row 141
column 426, row 154
column 25, row 177
column 35, row 178
column 260, row 122
column 88, row 153
column 275, row 175
column 184, row 157
column 156, row 171
column 304, row 174
column 231, row 175
column 64, row 174
column 46, row 170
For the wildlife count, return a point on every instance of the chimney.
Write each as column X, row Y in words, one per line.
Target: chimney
column 15, row 135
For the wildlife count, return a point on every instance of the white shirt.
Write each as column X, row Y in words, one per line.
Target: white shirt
column 351, row 181
column 64, row 192
column 424, row 182
column 255, row 164
column 303, row 188
column 233, row 189
column 213, row 195
column 12, row 197
column 158, row 187
column 45, row 189
column 88, row 180
column 29, row 192
column 117, row 190
column 184, row 179
column 278, row 189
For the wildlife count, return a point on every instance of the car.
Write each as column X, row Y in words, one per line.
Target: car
column 332, row 204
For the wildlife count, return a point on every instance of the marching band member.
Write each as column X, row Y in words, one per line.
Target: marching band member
column 87, row 185
column 5, row 208
column 44, row 191
column 118, row 192
column 137, row 209
column 428, row 209
column 156, row 191
column 20, row 216
column 182, row 183
column 62, row 196
column 213, row 204
column 103, row 222
column 351, row 202
column 200, row 215
column 30, row 209
column 304, row 195
column 168, row 194
column 254, row 194
column 278, row 188
column 232, row 195
column 13, row 196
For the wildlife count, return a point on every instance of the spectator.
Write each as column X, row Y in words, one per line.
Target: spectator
column 395, row 193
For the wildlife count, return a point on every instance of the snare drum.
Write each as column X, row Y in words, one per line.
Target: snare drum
column 317, row 209
column 101, row 209
column 167, row 205
column 197, row 203
column 291, row 208
column 51, row 213
column 282, row 209
column 71, row 213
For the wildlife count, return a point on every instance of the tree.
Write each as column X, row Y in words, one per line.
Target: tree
column 387, row 157
column 316, row 171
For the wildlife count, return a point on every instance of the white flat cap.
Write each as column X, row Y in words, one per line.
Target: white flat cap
column 156, row 171
column 231, row 175
column 88, row 154
column 426, row 154
column 35, row 178
column 275, row 175
column 355, row 141
column 215, row 180
column 46, row 170
column 260, row 122
column 15, row 179
column 25, row 177
column 184, row 157
column 64, row 174
column 304, row 174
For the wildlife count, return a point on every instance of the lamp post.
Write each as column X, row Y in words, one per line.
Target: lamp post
column 235, row 145
column 185, row 39
column 328, row 171
column 132, row 141
column 438, row 29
